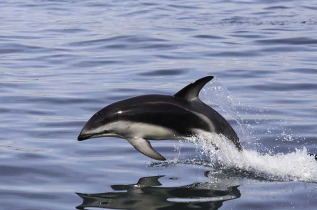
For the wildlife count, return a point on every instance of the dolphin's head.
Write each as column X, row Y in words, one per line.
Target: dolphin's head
column 100, row 124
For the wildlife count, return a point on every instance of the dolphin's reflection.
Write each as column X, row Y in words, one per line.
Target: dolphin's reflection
column 146, row 194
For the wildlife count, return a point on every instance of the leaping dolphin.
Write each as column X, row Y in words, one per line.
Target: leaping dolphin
column 159, row 117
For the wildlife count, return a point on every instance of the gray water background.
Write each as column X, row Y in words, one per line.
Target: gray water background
column 61, row 61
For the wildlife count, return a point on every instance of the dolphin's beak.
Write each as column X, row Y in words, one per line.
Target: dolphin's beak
column 83, row 137
column 85, row 132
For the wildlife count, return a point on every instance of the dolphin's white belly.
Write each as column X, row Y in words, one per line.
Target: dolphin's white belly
column 153, row 132
column 126, row 129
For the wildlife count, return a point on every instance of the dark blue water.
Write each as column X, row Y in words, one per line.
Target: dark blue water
column 61, row 61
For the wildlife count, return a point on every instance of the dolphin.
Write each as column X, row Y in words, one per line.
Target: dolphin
column 159, row 117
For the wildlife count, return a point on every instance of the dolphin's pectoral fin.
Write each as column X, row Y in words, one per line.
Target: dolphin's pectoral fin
column 145, row 148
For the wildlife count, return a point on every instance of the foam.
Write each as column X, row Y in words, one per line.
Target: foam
column 294, row 166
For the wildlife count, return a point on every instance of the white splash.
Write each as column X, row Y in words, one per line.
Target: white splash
column 295, row 166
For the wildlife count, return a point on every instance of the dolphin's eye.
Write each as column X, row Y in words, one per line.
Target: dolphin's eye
column 98, row 114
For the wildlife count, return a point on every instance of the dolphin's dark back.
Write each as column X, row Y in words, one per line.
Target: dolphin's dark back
column 165, row 111
column 176, row 113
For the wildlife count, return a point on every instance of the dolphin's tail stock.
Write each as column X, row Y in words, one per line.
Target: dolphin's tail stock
column 315, row 155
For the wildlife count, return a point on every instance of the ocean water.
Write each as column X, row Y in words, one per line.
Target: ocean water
column 61, row 61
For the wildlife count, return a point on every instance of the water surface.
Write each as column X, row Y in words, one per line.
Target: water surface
column 61, row 61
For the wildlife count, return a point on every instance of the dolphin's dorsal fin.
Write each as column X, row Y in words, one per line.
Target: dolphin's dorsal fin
column 145, row 148
column 191, row 91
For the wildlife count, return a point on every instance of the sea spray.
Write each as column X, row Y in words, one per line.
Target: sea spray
column 294, row 166
column 218, row 94
column 297, row 165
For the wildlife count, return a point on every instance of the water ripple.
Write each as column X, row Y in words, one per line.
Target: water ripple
column 61, row 61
